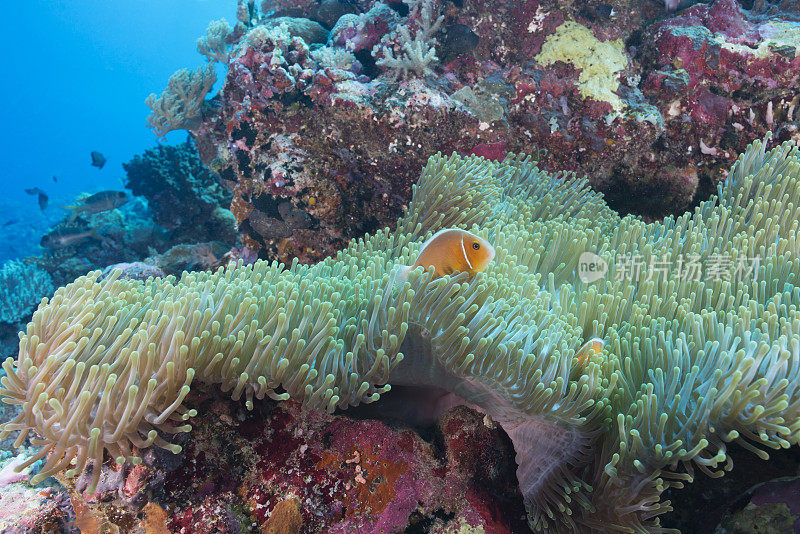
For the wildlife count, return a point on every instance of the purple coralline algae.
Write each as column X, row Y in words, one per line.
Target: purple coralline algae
column 341, row 475
column 281, row 469
column 720, row 77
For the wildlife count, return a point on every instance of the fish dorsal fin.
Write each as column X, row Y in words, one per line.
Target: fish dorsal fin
column 434, row 236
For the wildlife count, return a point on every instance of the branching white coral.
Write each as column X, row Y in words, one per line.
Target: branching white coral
column 417, row 57
column 180, row 105
column 418, row 53
column 214, row 44
column 423, row 10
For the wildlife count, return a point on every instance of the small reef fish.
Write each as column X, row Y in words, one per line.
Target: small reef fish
column 98, row 160
column 591, row 348
column 458, row 39
column 102, row 201
column 451, row 250
column 10, row 222
column 67, row 237
column 41, row 197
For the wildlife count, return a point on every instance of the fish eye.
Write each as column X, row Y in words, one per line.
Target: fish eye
column 476, row 246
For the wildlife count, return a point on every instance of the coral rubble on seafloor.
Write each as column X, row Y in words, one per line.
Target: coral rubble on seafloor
column 694, row 360
column 329, row 109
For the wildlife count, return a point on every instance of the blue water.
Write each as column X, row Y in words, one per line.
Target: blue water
column 75, row 78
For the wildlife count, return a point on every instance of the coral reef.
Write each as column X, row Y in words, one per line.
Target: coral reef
column 136, row 270
column 417, row 54
column 214, row 45
column 124, row 234
column 710, row 502
column 191, row 257
column 278, row 466
column 599, row 62
column 9, row 340
column 180, row 105
column 176, row 221
column 652, row 111
column 773, row 509
column 22, row 287
column 355, row 33
column 719, row 76
column 28, row 510
column 699, row 316
column 25, row 509
column 186, row 198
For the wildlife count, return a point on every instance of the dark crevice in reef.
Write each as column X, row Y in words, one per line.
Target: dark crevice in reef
column 289, row 99
column 267, row 204
column 368, row 66
column 699, row 507
column 461, row 438
column 400, row 7
column 243, row 159
column 705, row 190
column 620, row 199
column 228, row 174
column 421, row 524
column 647, row 199
column 403, row 407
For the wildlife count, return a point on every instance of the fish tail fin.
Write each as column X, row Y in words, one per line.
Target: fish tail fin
column 93, row 233
column 401, row 274
column 76, row 210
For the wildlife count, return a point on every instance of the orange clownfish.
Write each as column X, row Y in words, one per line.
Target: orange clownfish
column 591, row 348
column 451, row 250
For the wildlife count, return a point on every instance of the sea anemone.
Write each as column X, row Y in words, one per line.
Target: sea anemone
column 693, row 359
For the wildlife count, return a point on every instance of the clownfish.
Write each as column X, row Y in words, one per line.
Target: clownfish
column 591, row 348
column 451, row 250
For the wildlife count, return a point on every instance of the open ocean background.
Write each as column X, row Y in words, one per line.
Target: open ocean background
column 76, row 76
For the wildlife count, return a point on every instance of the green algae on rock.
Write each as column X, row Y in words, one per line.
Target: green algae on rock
column 690, row 363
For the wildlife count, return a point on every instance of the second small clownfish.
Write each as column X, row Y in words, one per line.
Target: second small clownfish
column 591, row 348
column 451, row 250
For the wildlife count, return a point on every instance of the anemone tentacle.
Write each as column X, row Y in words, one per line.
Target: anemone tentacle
column 690, row 364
